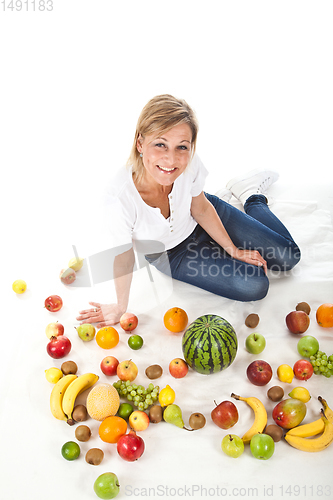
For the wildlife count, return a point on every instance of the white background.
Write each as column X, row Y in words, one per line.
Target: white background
column 73, row 82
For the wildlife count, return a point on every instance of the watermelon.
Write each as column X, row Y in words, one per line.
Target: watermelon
column 209, row 344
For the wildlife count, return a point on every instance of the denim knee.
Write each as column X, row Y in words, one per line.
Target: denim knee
column 289, row 258
column 255, row 289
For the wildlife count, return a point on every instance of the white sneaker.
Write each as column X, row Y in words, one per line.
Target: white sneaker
column 254, row 182
column 224, row 194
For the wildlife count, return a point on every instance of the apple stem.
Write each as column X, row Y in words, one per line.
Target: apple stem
column 215, row 402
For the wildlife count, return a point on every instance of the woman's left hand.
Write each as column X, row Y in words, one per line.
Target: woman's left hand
column 250, row 257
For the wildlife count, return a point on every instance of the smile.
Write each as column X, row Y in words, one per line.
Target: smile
column 165, row 169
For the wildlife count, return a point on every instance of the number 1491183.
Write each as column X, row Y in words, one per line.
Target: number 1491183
column 27, row 5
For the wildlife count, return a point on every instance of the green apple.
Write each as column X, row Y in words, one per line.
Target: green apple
column 106, row 486
column 86, row 332
column 307, row 346
column 255, row 343
column 232, row 445
column 262, row 446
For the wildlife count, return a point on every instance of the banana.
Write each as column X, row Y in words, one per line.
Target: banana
column 57, row 395
column 316, row 444
column 79, row 385
column 260, row 416
column 313, row 428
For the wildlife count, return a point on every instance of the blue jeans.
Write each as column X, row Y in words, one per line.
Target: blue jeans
column 200, row 261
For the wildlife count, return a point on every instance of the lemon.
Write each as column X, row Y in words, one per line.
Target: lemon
column 53, row 375
column 19, row 286
column 285, row 373
column 75, row 263
column 166, row 396
column 300, row 393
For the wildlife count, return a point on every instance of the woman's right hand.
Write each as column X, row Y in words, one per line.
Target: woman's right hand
column 102, row 314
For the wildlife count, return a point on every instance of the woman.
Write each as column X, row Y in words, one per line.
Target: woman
column 157, row 203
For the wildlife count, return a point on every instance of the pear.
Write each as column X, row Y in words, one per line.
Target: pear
column 173, row 415
column 86, row 332
column 75, row 263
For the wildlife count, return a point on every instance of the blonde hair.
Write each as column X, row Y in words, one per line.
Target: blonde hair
column 160, row 114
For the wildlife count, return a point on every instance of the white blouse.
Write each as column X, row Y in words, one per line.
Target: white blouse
column 132, row 222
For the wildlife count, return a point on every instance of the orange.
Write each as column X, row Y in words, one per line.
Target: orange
column 324, row 315
column 102, row 401
column 175, row 320
column 112, row 428
column 107, row 337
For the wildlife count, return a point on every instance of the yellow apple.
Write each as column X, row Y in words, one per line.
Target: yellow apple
column 138, row 420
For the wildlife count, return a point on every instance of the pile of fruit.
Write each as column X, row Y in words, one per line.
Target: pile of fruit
column 209, row 345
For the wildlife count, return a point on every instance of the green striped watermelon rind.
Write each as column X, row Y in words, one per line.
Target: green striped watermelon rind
column 209, row 344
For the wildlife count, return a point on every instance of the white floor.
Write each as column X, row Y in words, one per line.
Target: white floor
column 75, row 79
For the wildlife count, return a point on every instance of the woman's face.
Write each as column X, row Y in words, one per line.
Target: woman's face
column 167, row 156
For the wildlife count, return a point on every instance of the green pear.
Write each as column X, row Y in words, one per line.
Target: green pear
column 86, row 332
column 173, row 415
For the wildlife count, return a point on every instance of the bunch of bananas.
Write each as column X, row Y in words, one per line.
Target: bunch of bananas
column 65, row 392
column 260, row 416
column 297, row 437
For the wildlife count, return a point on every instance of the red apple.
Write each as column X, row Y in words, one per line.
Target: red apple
column 289, row 413
column 54, row 330
column 130, row 446
column 58, row 347
column 297, row 321
column 178, row 368
column 67, row 276
column 259, row 372
column 128, row 322
column 53, row 303
column 127, row 370
column 109, row 365
column 303, row 369
column 225, row 415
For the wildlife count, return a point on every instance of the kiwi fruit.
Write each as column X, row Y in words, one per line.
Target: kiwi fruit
column 69, row 368
column 197, row 421
column 252, row 320
column 80, row 413
column 275, row 432
column 275, row 393
column 303, row 306
column 94, row 456
column 82, row 433
column 154, row 371
column 155, row 414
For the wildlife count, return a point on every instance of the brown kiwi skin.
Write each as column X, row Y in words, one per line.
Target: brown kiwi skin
column 252, row 320
column 69, row 368
column 80, row 413
column 275, row 393
column 197, row 421
column 303, row 306
column 155, row 414
column 83, row 433
column 154, row 371
column 94, row 456
column 274, row 431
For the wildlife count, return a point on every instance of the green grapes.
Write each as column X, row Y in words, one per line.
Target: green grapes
column 322, row 364
column 140, row 397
